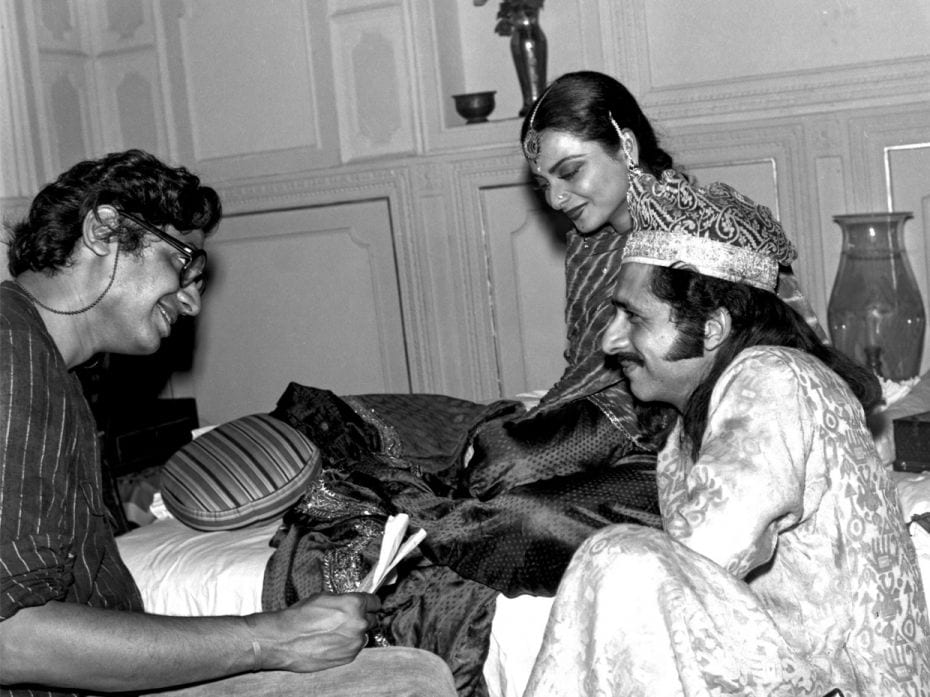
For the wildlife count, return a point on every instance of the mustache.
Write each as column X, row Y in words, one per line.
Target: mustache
column 627, row 356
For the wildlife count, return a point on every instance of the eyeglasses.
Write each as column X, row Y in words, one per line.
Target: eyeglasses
column 196, row 259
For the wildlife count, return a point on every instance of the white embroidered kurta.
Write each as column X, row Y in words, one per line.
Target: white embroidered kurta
column 784, row 569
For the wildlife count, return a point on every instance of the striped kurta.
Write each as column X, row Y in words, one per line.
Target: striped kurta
column 55, row 539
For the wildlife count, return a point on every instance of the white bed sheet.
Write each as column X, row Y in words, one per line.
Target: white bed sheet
column 185, row 572
column 181, row 571
column 170, row 562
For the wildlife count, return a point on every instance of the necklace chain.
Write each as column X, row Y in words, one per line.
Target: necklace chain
column 83, row 309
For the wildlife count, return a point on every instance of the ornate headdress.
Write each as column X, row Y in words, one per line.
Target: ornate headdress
column 716, row 230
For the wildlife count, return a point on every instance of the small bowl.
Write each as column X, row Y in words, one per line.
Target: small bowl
column 474, row 107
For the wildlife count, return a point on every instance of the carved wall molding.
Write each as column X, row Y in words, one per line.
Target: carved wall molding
column 310, row 188
column 904, row 80
column 18, row 156
column 870, row 132
column 504, row 167
column 374, row 89
column 899, row 81
column 826, row 134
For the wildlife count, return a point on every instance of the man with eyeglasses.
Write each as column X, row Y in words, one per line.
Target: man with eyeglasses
column 108, row 258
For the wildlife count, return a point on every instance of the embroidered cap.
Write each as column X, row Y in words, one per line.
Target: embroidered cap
column 715, row 230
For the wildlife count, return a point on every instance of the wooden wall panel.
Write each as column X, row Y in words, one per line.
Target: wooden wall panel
column 60, row 76
column 907, row 172
column 375, row 96
column 128, row 76
column 262, row 98
column 18, row 157
column 120, row 26
column 132, row 109
column 680, row 73
column 800, row 37
column 69, row 109
column 308, row 295
column 526, row 258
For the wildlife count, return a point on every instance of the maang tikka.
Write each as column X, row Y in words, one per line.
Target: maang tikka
column 531, row 142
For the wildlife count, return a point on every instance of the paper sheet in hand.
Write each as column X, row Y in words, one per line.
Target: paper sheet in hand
column 392, row 551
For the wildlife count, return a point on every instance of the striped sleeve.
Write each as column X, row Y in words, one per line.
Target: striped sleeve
column 35, row 561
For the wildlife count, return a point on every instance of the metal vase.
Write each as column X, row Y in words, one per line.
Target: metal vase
column 528, row 47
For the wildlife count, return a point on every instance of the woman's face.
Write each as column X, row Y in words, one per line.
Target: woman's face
column 582, row 180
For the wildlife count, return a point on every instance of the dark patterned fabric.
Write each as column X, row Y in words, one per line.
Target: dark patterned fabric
column 427, row 431
column 506, row 454
column 569, row 482
column 521, row 541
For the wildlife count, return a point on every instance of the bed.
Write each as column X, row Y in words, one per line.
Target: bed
column 171, row 560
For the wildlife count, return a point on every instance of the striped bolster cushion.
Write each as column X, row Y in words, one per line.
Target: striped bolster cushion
column 241, row 473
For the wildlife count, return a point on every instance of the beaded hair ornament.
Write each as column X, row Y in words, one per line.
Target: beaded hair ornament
column 715, row 231
column 531, row 142
column 532, row 138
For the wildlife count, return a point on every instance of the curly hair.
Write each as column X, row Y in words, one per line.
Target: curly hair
column 582, row 103
column 133, row 181
column 758, row 318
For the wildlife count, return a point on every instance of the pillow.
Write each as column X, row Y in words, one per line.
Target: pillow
column 241, row 473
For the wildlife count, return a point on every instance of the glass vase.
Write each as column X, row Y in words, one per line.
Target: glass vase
column 528, row 47
column 875, row 313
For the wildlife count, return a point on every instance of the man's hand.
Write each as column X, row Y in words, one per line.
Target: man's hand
column 320, row 632
column 71, row 645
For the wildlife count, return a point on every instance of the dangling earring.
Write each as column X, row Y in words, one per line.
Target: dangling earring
column 626, row 144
